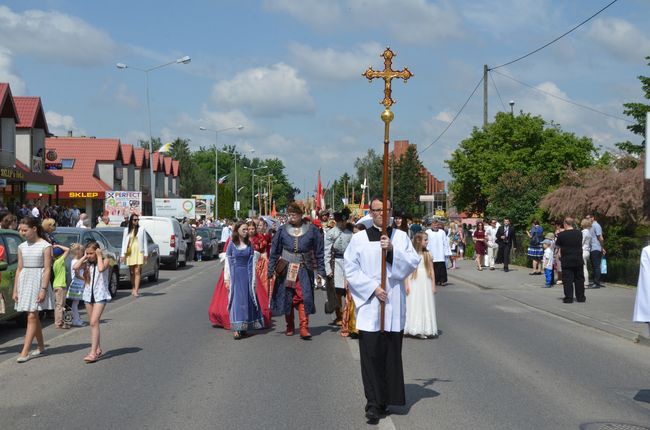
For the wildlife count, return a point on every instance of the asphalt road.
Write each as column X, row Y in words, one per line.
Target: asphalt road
column 497, row 365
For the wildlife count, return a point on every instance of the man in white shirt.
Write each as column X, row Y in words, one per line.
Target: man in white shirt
column 35, row 212
column 491, row 242
column 438, row 247
column 225, row 232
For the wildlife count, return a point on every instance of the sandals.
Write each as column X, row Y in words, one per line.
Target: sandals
column 92, row 358
column 237, row 335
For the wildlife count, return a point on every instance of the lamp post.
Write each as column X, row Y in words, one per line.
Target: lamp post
column 122, row 66
column 512, row 107
column 216, row 164
column 253, row 169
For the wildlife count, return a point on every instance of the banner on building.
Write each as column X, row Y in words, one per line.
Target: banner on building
column 121, row 204
column 177, row 208
column 204, row 205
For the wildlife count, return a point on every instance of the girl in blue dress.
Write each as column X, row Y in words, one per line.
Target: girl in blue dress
column 240, row 280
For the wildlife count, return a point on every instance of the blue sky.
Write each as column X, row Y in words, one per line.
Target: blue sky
column 290, row 70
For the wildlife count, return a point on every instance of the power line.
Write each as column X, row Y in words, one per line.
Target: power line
column 556, row 39
column 565, row 100
column 454, row 118
column 497, row 90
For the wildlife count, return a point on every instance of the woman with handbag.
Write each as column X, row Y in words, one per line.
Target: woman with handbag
column 134, row 251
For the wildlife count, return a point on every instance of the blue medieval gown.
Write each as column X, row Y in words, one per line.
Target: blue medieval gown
column 243, row 307
column 302, row 245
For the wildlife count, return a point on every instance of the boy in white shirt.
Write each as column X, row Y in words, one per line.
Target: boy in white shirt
column 547, row 244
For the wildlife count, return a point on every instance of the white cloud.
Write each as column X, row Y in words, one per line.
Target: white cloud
column 125, row 97
column 445, row 116
column 501, row 18
column 413, row 21
column 7, row 73
column 55, row 37
column 266, row 91
column 320, row 14
column 620, row 38
column 60, row 124
column 134, row 136
column 329, row 64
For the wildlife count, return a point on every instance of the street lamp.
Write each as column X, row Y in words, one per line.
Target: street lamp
column 216, row 164
column 512, row 107
column 253, row 169
column 122, row 66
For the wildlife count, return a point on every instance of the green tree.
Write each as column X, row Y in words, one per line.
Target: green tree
column 637, row 111
column 516, row 195
column 370, row 166
column 522, row 143
column 145, row 143
column 409, row 183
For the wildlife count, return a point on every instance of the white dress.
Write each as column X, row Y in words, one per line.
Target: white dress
column 421, row 305
column 31, row 277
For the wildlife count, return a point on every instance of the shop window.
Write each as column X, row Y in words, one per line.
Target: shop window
column 67, row 163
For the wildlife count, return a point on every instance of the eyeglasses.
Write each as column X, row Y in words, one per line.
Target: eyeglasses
column 136, row 219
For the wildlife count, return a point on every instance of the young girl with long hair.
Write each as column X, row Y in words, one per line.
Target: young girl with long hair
column 76, row 288
column 420, row 290
column 96, row 294
column 240, row 280
column 134, row 251
column 32, row 291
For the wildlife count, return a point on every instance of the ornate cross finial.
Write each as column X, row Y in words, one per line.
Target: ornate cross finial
column 387, row 74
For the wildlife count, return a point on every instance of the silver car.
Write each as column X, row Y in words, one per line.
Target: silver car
column 150, row 269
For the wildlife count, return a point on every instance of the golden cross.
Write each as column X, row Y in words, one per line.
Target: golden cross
column 387, row 74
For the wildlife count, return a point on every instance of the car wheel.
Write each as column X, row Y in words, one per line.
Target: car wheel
column 114, row 282
column 174, row 264
column 156, row 271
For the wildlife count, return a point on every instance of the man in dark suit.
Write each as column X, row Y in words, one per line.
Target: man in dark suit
column 507, row 242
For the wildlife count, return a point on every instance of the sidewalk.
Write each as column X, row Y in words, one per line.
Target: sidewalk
column 608, row 309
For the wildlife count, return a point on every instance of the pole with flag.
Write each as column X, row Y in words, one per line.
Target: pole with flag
column 319, row 194
column 386, row 116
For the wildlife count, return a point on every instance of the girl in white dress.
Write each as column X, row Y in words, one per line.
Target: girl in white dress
column 420, row 290
column 32, row 291
column 96, row 295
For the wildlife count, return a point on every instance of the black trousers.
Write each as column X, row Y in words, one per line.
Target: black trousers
column 596, row 258
column 381, row 368
column 573, row 278
column 440, row 270
column 506, row 255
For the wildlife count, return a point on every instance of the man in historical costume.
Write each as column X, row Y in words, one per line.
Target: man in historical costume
column 380, row 352
column 491, row 242
column 438, row 246
column 336, row 242
column 296, row 253
column 506, row 240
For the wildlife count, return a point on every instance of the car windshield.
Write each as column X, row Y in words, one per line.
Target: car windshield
column 114, row 237
column 203, row 232
column 66, row 239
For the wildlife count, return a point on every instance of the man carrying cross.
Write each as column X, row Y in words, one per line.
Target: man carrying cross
column 380, row 351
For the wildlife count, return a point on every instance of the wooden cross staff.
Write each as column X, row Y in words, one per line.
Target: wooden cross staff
column 387, row 116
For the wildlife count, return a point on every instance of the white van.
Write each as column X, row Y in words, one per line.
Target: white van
column 168, row 235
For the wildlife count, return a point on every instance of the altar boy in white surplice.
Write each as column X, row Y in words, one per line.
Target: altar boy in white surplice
column 380, row 353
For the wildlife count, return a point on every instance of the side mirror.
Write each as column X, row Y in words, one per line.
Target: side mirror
column 3, row 266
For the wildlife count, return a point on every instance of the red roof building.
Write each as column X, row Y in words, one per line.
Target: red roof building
column 433, row 185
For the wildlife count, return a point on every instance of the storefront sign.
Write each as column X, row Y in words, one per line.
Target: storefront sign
column 53, row 166
column 51, row 155
column 177, row 208
column 120, row 204
column 82, row 195
column 33, row 187
column 11, row 174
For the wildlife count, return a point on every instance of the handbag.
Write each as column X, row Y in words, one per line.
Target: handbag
column 76, row 289
column 603, row 266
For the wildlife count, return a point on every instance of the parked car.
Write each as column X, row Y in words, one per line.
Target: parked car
column 10, row 239
column 168, row 235
column 210, row 242
column 150, row 269
column 217, row 233
column 68, row 235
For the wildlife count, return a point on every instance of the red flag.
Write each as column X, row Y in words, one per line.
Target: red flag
column 319, row 194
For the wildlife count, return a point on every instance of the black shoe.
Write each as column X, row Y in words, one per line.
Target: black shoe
column 593, row 286
column 384, row 411
column 581, row 300
column 372, row 414
column 567, row 300
column 506, row 270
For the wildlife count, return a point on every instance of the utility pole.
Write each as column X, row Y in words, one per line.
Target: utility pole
column 485, row 95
